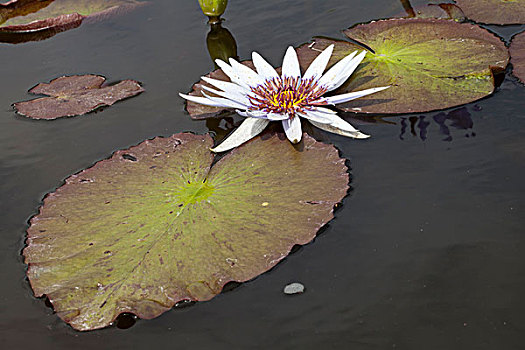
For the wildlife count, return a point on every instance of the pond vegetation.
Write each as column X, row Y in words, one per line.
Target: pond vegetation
column 168, row 221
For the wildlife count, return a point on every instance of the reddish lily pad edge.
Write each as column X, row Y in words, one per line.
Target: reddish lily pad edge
column 63, row 22
column 94, row 109
column 225, row 288
column 517, row 56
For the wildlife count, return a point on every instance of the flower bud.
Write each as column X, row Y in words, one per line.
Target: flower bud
column 213, row 8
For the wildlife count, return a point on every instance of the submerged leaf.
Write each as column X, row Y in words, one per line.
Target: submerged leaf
column 429, row 63
column 158, row 223
column 26, row 20
column 494, row 11
column 75, row 95
column 517, row 54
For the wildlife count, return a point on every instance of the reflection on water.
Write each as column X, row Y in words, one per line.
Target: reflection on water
column 221, row 126
column 417, row 126
column 458, row 119
column 387, row 280
column 221, row 43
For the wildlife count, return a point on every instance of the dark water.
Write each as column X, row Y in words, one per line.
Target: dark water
column 427, row 251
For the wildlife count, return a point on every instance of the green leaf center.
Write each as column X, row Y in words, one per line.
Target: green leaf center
column 194, row 192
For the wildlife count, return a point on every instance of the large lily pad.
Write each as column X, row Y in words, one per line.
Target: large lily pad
column 517, row 54
column 75, row 95
column 430, row 63
column 25, row 20
column 494, row 11
column 158, row 223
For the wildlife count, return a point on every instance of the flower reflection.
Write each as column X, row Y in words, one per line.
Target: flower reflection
column 458, row 119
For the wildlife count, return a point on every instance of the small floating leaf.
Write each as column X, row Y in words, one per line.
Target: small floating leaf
column 26, row 20
column 494, row 11
column 517, row 54
column 430, row 64
column 157, row 223
column 75, row 95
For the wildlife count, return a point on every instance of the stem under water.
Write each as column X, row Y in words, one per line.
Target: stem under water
column 408, row 8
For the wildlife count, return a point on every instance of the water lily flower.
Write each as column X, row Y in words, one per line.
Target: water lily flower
column 265, row 96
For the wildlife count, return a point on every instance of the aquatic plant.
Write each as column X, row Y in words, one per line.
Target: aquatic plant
column 265, row 96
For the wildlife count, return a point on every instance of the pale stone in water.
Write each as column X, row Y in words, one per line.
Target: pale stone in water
column 294, row 288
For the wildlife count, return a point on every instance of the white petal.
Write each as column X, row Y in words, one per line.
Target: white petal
column 225, row 86
column 341, row 127
column 317, row 116
column 347, row 72
column 291, row 64
column 232, row 73
column 292, row 128
column 253, row 114
column 318, row 65
column 241, row 98
column 249, row 128
column 205, row 101
column 352, row 95
column 333, row 75
column 225, row 102
column 325, row 110
column 264, row 69
column 277, row 116
column 246, row 74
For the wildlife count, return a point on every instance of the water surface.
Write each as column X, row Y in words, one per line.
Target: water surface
column 425, row 253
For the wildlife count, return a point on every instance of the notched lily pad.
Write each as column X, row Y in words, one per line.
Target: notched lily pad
column 517, row 54
column 75, row 95
column 28, row 20
column 157, row 223
column 494, row 11
column 430, row 63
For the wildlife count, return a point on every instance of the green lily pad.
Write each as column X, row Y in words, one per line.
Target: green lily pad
column 517, row 54
column 494, row 11
column 158, row 223
column 29, row 20
column 430, row 64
